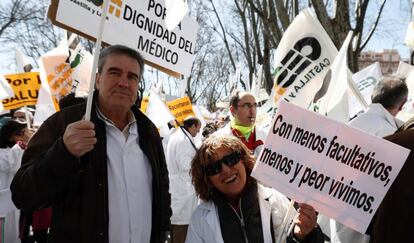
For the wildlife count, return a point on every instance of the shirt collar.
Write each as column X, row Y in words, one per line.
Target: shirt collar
column 127, row 130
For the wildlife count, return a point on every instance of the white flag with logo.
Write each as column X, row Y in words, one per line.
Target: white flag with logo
column 332, row 95
column 302, row 59
column 365, row 81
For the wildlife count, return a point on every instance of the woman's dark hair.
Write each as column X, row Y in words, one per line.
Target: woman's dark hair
column 7, row 130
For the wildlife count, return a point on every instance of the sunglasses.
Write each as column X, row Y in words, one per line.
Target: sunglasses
column 19, row 132
column 229, row 160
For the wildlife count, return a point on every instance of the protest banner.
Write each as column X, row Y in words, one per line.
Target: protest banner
column 137, row 24
column 302, row 59
column 26, row 90
column 341, row 171
column 181, row 108
column 365, row 81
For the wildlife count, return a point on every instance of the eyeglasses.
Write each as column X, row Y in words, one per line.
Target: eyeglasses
column 248, row 105
column 229, row 160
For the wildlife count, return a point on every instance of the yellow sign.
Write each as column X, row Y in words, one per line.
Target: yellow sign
column 26, row 90
column 181, row 108
column 144, row 104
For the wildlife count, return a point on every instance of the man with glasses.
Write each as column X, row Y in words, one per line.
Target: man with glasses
column 243, row 108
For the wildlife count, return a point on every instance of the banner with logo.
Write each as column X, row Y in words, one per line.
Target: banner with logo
column 26, row 90
column 137, row 24
column 365, row 81
column 181, row 108
column 302, row 59
column 343, row 172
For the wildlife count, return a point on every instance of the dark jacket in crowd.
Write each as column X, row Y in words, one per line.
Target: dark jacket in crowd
column 393, row 221
column 77, row 189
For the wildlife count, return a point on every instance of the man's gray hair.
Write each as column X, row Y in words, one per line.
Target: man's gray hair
column 390, row 92
column 120, row 50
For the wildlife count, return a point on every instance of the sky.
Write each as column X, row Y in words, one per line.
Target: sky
column 390, row 33
column 392, row 28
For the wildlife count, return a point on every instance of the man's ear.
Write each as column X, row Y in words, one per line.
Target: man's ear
column 97, row 81
column 231, row 109
column 401, row 106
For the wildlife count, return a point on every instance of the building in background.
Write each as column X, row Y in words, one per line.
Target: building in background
column 388, row 58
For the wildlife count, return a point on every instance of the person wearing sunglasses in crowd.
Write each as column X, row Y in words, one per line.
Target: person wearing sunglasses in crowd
column 243, row 108
column 236, row 207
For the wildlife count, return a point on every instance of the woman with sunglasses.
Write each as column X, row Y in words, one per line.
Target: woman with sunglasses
column 236, row 207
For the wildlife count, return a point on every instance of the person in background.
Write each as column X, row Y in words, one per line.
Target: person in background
column 181, row 150
column 20, row 114
column 209, row 129
column 14, row 136
column 236, row 208
column 388, row 98
column 106, row 179
column 70, row 100
column 243, row 107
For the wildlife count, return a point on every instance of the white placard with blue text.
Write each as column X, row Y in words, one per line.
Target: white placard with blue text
column 343, row 172
column 138, row 24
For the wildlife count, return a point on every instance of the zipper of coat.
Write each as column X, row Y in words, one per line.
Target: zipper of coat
column 243, row 226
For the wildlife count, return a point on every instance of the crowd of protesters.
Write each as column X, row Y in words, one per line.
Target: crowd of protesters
column 110, row 179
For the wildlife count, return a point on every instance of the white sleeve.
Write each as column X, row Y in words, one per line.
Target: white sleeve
column 193, row 233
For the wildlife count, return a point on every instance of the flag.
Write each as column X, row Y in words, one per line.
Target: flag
column 81, row 66
column 6, row 91
column 302, row 59
column 404, row 69
column 233, row 80
column 365, row 81
column 49, row 63
column 257, row 82
column 258, row 91
column 176, row 11
column 183, row 87
column 22, row 61
column 157, row 110
column 332, row 95
column 409, row 36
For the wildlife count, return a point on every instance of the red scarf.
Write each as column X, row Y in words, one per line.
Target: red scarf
column 251, row 143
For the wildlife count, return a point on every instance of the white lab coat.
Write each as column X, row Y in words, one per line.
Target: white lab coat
column 376, row 121
column 205, row 224
column 10, row 161
column 180, row 152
